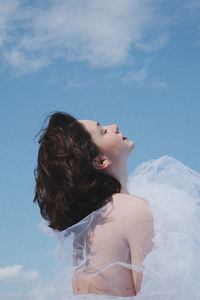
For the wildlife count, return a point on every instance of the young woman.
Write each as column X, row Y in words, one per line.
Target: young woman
column 143, row 245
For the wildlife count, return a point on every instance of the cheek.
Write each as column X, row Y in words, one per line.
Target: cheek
column 113, row 147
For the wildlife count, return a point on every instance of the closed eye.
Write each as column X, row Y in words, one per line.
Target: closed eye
column 105, row 131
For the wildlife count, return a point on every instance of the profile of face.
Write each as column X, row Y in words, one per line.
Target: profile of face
column 114, row 148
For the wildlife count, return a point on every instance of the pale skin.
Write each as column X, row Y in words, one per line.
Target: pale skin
column 115, row 239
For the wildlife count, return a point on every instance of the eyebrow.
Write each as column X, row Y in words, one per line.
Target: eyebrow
column 99, row 126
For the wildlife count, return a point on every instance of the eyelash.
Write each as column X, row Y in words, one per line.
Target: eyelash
column 105, row 131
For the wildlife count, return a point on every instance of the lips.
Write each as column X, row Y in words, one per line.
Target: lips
column 123, row 137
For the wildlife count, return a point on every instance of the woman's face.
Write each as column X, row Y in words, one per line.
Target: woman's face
column 110, row 142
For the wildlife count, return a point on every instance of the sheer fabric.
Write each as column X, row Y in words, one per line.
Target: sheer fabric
column 170, row 269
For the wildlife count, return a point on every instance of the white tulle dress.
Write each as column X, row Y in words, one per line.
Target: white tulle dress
column 171, row 270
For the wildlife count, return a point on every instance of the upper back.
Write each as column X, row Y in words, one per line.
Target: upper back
column 108, row 248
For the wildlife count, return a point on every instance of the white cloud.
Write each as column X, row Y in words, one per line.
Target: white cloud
column 17, row 273
column 17, row 283
column 100, row 32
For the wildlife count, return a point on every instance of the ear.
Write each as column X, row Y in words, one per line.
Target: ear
column 101, row 163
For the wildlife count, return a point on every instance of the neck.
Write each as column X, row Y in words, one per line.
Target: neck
column 121, row 174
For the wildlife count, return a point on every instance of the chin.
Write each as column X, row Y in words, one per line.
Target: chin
column 131, row 144
column 130, row 147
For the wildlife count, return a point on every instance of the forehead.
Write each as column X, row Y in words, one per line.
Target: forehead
column 89, row 124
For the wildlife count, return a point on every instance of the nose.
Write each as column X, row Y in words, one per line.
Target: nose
column 114, row 128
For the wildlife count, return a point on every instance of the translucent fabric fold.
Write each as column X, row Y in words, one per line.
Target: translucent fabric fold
column 171, row 268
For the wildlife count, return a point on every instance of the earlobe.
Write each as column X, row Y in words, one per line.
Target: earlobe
column 100, row 164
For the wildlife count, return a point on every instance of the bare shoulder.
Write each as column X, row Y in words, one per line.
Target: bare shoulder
column 131, row 207
column 129, row 198
column 134, row 212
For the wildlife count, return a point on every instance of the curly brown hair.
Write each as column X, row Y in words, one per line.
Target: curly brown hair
column 68, row 188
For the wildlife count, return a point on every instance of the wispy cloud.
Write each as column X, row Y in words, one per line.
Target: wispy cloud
column 155, row 43
column 28, row 282
column 38, row 291
column 192, row 4
column 24, row 64
column 100, row 32
column 17, row 272
column 42, row 292
column 137, row 77
column 8, row 18
column 158, row 84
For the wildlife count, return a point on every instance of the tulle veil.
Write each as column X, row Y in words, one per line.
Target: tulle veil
column 172, row 269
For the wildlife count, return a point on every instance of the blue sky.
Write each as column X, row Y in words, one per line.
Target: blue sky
column 134, row 63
